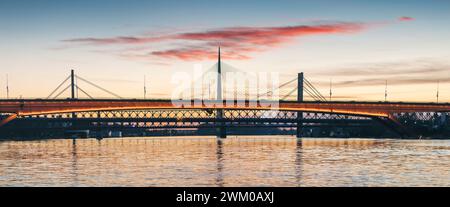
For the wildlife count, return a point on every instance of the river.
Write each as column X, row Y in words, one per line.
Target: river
column 236, row 161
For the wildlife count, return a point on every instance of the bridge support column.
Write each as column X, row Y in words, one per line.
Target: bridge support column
column 72, row 88
column 72, row 83
column 221, row 130
column 299, row 99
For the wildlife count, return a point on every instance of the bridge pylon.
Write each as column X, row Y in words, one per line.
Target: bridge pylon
column 72, row 93
column 72, row 83
column 221, row 130
column 299, row 99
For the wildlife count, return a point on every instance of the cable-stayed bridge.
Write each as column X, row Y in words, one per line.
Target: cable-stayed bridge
column 220, row 108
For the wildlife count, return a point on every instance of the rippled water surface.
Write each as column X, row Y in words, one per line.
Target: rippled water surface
column 243, row 161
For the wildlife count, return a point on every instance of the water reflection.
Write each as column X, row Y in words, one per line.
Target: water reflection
column 298, row 162
column 245, row 161
column 74, row 162
column 219, row 180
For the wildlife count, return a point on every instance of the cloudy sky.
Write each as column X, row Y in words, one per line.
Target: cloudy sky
column 359, row 45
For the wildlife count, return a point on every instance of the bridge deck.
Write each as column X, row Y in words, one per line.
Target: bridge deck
column 378, row 109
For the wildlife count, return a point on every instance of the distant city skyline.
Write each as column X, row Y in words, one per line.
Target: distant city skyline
column 358, row 44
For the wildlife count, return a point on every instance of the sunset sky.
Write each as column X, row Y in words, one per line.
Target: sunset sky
column 357, row 44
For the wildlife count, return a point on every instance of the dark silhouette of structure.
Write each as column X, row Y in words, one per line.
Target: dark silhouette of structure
column 163, row 117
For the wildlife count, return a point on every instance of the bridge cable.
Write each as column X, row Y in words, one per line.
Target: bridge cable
column 76, row 85
column 311, row 86
column 312, row 95
column 290, row 93
column 199, row 78
column 57, row 88
column 238, row 93
column 287, row 83
column 282, row 85
column 314, row 90
column 95, row 85
column 62, row 91
column 84, row 92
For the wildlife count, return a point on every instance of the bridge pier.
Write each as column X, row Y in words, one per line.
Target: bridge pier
column 221, row 132
column 299, row 99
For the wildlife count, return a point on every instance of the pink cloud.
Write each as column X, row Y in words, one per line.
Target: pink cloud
column 191, row 54
column 405, row 18
column 256, row 33
column 238, row 42
column 116, row 40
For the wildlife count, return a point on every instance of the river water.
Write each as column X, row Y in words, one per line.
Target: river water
column 236, row 161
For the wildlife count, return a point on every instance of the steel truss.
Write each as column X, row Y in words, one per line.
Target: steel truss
column 179, row 118
column 186, row 119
